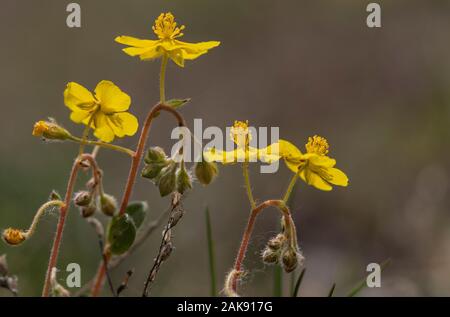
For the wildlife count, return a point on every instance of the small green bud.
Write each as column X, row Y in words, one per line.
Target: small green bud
column 184, row 182
column 269, row 256
column 54, row 195
column 205, row 171
column 289, row 257
column 108, row 204
column 155, row 155
column 153, row 170
column 82, row 198
column 88, row 210
column 167, row 180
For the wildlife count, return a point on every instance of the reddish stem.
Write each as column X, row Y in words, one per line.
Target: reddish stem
column 132, row 176
column 248, row 232
column 63, row 215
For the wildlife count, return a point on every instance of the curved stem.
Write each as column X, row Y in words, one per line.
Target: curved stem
column 102, row 144
column 132, row 176
column 248, row 232
column 39, row 213
column 290, row 188
column 63, row 215
column 162, row 79
column 248, row 185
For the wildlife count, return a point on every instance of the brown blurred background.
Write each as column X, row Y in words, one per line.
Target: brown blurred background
column 380, row 96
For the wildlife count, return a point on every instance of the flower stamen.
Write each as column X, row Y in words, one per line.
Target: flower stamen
column 317, row 145
column 166, row 28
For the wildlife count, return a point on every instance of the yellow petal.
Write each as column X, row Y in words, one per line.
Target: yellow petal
column 77, row 97
column 320, row 160
column 133, row 41
column 111, row 98
column 288, row 150
column 78, row 116
column 102, row 129
column 315, row 180
column 151, row 54
column 177, row 57
column 195, row 48
column 338, row 177
column 123, row 123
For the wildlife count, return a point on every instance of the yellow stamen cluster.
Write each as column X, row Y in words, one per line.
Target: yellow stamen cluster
column 14, row 236
column 240, row 133
column 40, row 128
column 317, row 145
column 166, row 28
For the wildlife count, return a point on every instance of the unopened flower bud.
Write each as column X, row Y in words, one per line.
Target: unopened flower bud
column 54, row 195
column 290, row 259
column 82, row 198
column 270, row 256
column 155, row 155
column 167, row 180
column 153, row 170
column 108, row 204
column 50, row 130
column 205, row 171
column 184, row 182
column 88, row 210
column 277, row 242
column 14, row 236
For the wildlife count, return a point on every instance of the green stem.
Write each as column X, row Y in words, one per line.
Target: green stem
column 162, row 79
column 248, row 185
column 102, row 144
column 85, row 134
column 290, row 188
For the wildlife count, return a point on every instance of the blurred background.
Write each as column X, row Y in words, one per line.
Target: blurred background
column 381, row 97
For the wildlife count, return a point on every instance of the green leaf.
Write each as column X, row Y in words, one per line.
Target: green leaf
column 121, row 233
column 362, row 284
column 331, row 292
column 137, row 211
column 299, row 282
column 177, row 103
column 212, row 264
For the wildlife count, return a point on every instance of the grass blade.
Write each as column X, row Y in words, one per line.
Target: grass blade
column 362, row 284
column 277, row 281
column 331, row 292
column 211, row 258
column 299, row 282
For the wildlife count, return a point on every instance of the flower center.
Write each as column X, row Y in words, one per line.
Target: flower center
column 318, row 145
column 166, row 28
column 240, row 133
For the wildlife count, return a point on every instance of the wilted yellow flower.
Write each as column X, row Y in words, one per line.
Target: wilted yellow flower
column 241, row 136
column 105, row 112
column 314, row 167
column 14, row 236
column 167, row 31
column 50, row 130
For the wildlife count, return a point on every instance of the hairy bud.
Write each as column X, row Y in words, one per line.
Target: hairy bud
column 50, row 130
column 277, row 242
column 167, row 180
column 108, row 204
column 82, row 198
column 290, row 259
column 88, row 211
column 184, row 182
column 206, row 171
column 270, row 256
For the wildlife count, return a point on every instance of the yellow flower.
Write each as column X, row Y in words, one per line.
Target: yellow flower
column 241, row 136
column 314, row 167
column 167, row 31
column 105, row 112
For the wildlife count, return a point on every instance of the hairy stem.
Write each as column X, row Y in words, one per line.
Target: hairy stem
column 136, row 159
column 248, row 232
column 62, row 217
